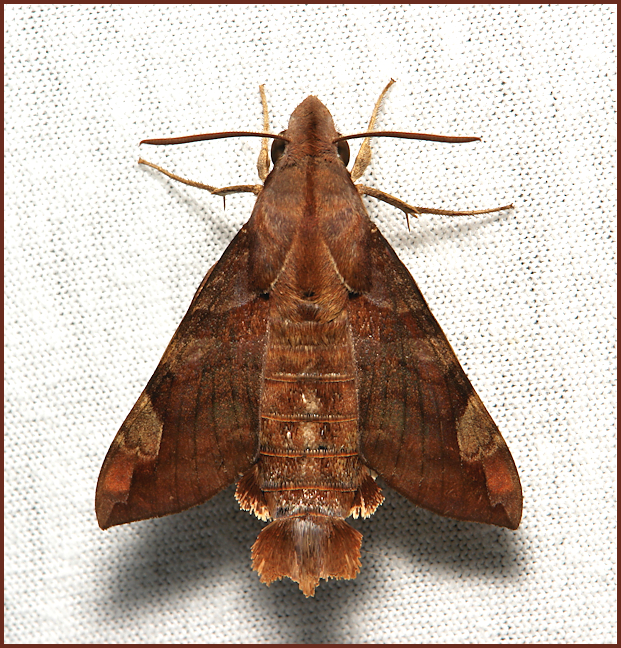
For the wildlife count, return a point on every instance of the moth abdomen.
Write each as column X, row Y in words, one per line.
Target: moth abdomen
column 309, row 475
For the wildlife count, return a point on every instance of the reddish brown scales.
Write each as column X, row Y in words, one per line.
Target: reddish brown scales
column 309, row 469
column 308, row 359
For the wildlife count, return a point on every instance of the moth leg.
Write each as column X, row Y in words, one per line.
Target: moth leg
column 263, row 163
column 363, row 159
column 391, row 200
column 450, row 212
column 416, row 211
column 222, row 191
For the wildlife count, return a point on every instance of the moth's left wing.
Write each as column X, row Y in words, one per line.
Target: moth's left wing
column 194, row 429
column 423, row 427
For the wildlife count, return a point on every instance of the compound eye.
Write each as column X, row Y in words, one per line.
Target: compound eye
column 278, row 149
column 343, row 151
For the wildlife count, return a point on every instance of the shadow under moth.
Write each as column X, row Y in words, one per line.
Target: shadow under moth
column 308, row 364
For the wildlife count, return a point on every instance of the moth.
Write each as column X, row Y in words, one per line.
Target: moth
column 307, row 364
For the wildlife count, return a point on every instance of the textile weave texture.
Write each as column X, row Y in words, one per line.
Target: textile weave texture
column 102, row 258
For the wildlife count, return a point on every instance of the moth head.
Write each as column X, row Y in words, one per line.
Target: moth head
column 311, row 132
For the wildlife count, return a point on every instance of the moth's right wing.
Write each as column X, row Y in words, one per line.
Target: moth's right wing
column 194, row 429
column 423, row 428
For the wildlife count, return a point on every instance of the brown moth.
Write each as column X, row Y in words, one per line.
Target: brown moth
column 307, row 364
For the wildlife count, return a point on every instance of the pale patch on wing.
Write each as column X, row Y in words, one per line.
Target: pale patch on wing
column 143, row 431
column 477, row 435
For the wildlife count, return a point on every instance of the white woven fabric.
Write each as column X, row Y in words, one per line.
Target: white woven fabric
column 102, row 258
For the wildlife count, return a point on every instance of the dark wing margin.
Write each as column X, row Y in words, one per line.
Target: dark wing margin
column 423, row 427
column 194, row 429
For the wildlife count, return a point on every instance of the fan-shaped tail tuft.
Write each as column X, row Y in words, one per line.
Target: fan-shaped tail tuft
column 306, row 549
